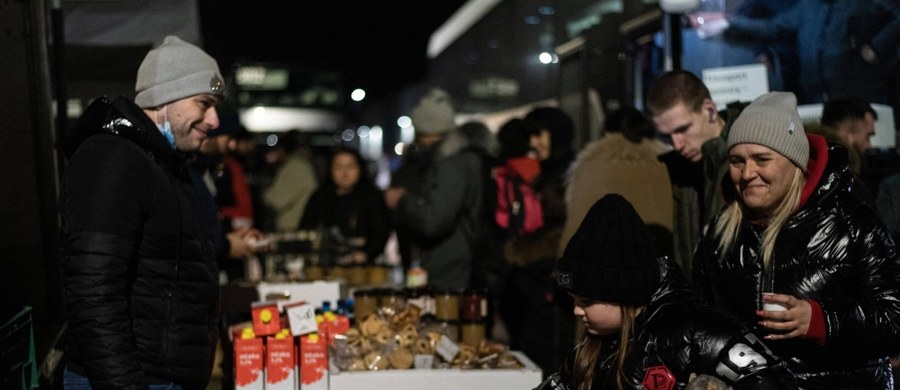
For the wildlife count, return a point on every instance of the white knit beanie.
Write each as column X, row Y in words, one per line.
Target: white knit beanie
column 434, row 114
column 772, row 120
column 175, row 70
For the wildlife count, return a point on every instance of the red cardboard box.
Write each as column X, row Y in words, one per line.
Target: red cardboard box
column 333, row 325
column 248, row 364
column 313, row 362
column 281, row 362
column 266, row 319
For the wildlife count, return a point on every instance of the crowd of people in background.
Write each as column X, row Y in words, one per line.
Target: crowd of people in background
column 684, row 237
column 676, row 166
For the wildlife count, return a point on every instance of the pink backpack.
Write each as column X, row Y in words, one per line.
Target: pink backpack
column 518, row 207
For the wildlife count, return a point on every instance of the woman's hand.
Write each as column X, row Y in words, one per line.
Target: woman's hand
column 790, row 323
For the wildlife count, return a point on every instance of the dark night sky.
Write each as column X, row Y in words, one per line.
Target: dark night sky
column 378, row 45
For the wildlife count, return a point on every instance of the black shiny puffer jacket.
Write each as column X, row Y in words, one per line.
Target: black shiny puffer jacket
column 833, row 250
column 676, row 336
column 141, row 282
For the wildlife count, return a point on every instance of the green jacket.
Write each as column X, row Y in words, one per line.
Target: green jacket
column 697, row 189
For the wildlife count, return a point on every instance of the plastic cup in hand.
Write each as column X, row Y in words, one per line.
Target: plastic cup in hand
column 772, row 306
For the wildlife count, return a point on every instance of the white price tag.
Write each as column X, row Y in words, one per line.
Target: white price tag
column 423, row 362
column 302, row 319
column 447, row 348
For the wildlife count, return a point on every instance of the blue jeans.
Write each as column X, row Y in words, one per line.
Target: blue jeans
column 73, row 381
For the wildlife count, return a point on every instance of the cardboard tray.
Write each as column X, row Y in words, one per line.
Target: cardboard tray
column 441, row 379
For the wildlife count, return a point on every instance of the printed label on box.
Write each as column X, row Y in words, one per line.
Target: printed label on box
column 280, row 364
column 248, row 364
column 313, row 363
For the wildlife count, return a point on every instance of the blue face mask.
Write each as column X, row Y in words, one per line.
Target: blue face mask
column 166, row 128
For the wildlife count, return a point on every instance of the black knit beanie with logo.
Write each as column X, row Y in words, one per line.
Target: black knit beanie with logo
column 610, row 258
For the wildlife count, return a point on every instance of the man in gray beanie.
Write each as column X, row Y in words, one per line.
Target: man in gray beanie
column 432, row 118
column 139, row 273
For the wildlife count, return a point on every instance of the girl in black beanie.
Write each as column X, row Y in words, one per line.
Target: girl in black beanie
column 644, row 327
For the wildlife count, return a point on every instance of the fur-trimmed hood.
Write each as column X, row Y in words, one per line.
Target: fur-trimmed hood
column 453, row 142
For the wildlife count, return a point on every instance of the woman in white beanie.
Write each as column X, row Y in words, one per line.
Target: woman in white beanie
column 798, row 257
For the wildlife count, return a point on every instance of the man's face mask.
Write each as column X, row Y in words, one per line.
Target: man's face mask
column 166, row 128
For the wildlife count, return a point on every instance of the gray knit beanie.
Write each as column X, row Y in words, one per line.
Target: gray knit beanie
column 434, row 113
column 772, row 120
column 175, row 70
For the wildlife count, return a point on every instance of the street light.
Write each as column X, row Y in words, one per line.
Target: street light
column 358, row 95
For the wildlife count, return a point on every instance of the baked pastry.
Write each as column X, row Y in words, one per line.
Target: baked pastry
column 376, row 361
column 401, row 359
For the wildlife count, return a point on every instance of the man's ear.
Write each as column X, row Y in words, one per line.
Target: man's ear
column 710, row 109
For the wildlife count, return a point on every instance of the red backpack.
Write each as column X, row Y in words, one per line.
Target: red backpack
column 518, row 208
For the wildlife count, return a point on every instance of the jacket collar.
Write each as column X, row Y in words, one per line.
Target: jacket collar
column 121, row 117
column 827, row 170
column 818, row 159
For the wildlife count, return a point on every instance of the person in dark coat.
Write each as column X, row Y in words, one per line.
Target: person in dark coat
column 349, row 202
column 843, row 46
column 685, row 116
column 139, row 273
column 799, row 258
column 445, row 210
column 644, row 326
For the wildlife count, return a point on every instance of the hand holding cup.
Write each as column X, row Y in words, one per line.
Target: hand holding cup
column 785, row 315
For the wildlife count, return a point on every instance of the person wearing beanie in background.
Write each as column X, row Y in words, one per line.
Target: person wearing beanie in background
column 644, row 327
column 798, row 257
column 139, row 271
column 442, row 214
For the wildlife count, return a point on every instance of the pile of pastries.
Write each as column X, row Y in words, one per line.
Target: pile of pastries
column 393, row 338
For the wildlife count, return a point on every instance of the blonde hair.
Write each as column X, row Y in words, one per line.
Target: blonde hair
column 729, row 224
column 590, row 347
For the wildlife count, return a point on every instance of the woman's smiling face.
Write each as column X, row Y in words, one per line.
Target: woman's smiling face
column 761, row 176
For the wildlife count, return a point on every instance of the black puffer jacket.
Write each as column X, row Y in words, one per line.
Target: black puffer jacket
column 141, row 286
column 678, row 335
column 834, row 251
